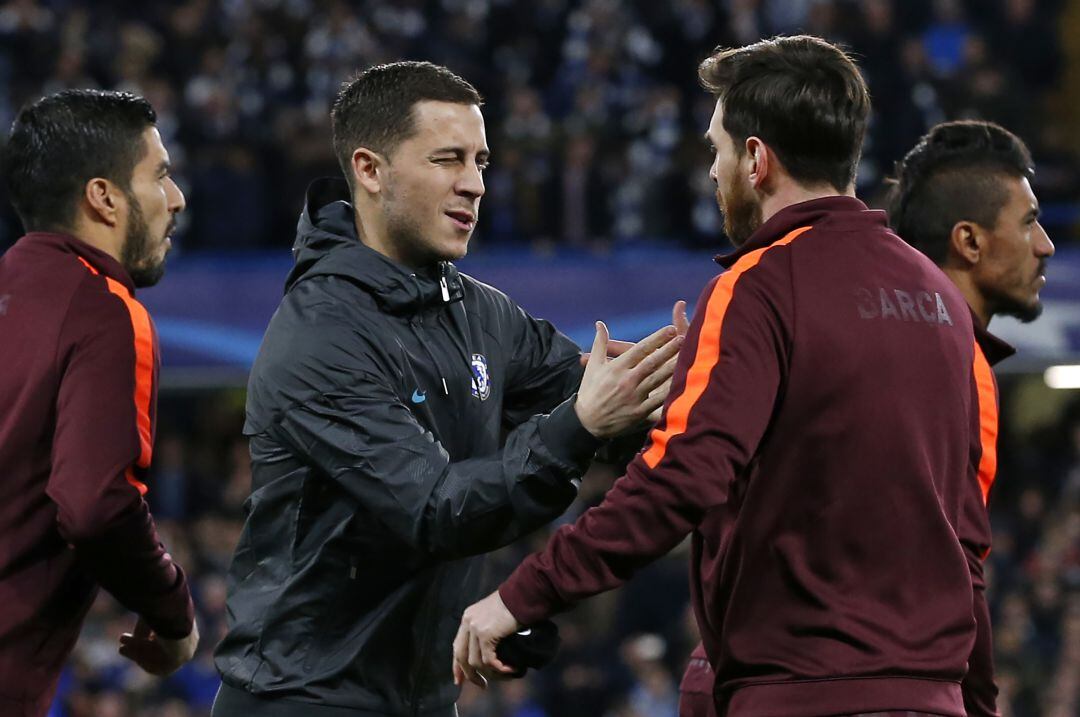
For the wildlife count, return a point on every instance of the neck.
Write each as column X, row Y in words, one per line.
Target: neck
column 371, row 230
column 792, row 193
column 99, row 236
column 971, row 294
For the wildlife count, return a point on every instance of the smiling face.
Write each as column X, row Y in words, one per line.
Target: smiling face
column 1011, row 268
column 431, row 192
column 729, row 170
column 153, row 201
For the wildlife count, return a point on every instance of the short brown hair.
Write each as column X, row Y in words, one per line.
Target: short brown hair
column 375, row 109
column 802, row 96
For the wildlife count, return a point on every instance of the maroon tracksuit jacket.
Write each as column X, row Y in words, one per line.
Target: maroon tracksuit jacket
column 77, row 407
column 980, row 690
column 816, row 443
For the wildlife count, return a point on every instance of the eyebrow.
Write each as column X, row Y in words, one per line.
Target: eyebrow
column 483, row 155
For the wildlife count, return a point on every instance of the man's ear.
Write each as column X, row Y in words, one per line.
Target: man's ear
column 967, row 242
column 760, row 160
column 368, row 170
column 104, row 200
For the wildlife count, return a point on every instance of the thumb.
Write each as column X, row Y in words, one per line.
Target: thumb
column 599, row 345
column 678, row 318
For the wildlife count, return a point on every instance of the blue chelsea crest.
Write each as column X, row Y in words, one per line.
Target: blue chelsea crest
column 481, row 381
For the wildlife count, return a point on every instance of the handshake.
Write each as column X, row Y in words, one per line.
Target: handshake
column 624, row 385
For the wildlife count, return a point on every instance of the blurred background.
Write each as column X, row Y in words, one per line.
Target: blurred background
column 598, row 205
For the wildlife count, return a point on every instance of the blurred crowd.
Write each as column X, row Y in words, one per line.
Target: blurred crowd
column 623, row 652
column 593, row 110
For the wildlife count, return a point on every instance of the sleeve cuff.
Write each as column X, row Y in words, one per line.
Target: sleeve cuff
column 562, row 432
column 177, row 620
column 525, row 595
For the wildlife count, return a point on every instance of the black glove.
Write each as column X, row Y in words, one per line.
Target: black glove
column 535, row 647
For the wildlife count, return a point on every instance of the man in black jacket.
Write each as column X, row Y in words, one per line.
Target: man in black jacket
column 404, row 419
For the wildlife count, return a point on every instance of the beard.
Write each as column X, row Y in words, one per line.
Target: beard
column 137, row 253
column 742, row 213
column 1004, row 304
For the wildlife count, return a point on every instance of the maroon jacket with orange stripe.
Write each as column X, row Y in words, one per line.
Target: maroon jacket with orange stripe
column 816, row 444
column 980, row 689
column 77, row 408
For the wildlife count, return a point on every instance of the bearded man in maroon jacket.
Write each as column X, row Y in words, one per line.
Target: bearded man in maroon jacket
column 89, row 177
column 820, row 430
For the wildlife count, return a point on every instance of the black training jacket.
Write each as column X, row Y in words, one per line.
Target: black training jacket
column 401, row 425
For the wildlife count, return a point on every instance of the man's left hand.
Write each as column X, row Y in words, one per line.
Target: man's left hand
column 483, row 625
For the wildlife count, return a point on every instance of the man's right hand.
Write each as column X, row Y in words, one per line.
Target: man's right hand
column 156, row 654
column 619, row 394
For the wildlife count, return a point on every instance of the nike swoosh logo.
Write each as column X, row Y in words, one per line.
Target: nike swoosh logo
column 418, row 396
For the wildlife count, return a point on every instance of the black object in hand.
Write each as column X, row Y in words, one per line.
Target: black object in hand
column 534, row 646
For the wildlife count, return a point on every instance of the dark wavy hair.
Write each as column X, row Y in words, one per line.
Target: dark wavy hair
column 955, row 173
column 802, row 95
column 60, row 142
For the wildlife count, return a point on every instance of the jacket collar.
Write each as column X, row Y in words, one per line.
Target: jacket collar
column 996, row 350
column 802, row 214
column 70, row 244
column 327, row 244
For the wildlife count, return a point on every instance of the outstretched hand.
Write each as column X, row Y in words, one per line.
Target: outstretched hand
column 483, row 625
column 619, row 394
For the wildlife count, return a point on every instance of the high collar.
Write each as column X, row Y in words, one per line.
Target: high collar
column 996, row 350
column 801, row 214
column 93, row 256
column 327, row 244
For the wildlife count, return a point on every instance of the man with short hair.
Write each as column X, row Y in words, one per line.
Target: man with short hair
column 89, row 177
column 963, row 197
column 816, row 438
column 404, row 419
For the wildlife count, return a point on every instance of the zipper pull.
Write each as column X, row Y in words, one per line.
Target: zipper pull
column 444, row 388
column 445, row 289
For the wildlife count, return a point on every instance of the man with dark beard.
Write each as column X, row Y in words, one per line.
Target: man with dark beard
column 816, row 438
column 89, row 177
column 963, row 197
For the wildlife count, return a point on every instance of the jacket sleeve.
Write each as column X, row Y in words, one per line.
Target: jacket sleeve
column 368, row 441
column 979, row 687
column 720, row 405
column 102, row 443
column 545, row 366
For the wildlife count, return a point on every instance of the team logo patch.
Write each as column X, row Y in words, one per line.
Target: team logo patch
column 481, row 381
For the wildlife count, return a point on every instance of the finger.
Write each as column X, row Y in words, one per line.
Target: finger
column 679, row 319
column 584, row 358
column 475, row 662
column 659, row 376
column 461, row 650
column 662, row 392
column 459, row 676
column 657, row 363
column 487, row 654
column 618, row 348
column 646, row 346
column 599, row 346
column 654, row 401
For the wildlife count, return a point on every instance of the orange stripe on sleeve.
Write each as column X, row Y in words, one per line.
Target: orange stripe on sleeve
column 144, row 373
column 708, row 353
column 988, row 422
